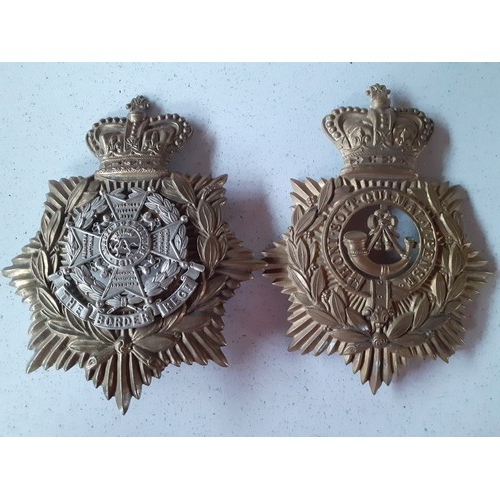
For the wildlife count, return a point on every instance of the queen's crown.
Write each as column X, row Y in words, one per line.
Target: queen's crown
column 138, row 146
column 381, row 141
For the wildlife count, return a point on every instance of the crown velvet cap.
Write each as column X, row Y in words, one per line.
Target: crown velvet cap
column 138, row 146
column 382, row 138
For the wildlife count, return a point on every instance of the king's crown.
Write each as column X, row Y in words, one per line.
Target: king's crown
column 138, row 146
column 381, row 141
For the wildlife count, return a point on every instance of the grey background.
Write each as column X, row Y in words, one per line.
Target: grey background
column 261, row 124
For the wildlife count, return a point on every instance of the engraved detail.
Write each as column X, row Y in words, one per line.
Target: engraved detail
column 389, row 138
column 133, row 251
column 125, row 243
column 140, row 262
column 137, row 146
column 376, row 263
column 347, row 251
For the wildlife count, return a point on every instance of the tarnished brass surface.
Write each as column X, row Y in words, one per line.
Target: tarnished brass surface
column 376, row 263
column 131, row 267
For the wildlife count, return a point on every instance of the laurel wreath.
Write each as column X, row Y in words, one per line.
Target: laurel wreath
column 168, row 213
column 190, row 334
column 426, row 312
column 211, row 243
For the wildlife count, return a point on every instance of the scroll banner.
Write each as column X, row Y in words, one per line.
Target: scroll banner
column 137, row 319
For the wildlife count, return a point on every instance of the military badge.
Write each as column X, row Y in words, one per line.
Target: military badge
column 131, row 267
column 376, row 262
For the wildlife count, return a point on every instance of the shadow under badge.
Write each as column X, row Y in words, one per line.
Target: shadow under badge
column 376, row 262
column 131, row 267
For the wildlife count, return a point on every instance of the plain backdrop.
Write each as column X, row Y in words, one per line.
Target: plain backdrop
column 260, row 124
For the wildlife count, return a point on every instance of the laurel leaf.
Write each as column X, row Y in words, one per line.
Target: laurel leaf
column 40, row 266
column 101, row 334
column 325, row 195
column 184, row 188
column 90, row 195
column 169, row 267
column 338, row 306
column 432, row 196
column 171, row 192
column 75, row 322
column 54, row 262
column 51, row 307
column 155, row 201
column 294, row 255
column 305, row 221
column 84, row 288
column 303, row 299
column 151, row 292
column 458, row 287
column 457, row 259
column 343, row 191
column 53, row 227
column 356, row 320
column 318, row 283
column 421, row 310
column 151, row 205
column 400, row 325
column 352, row 336
column 114, row 302
column 323, row 318
column 156, row 343
column 206, row 217
column 438, row 288
column 146, row 331
column 303, row 255
column 212, row 288
column 44, row 225
column 210, row 253
column 317, row 222
column 77, row 275
column 299, row 280
column 87, row 345
column 61, row 327
column 434, row 322
column 409, row 340
column 76, row 194
column 297, row 214
column 451, row 226
column 178, row 242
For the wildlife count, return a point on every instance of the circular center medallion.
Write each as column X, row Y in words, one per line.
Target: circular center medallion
column 125, row 243
column 349, row 254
